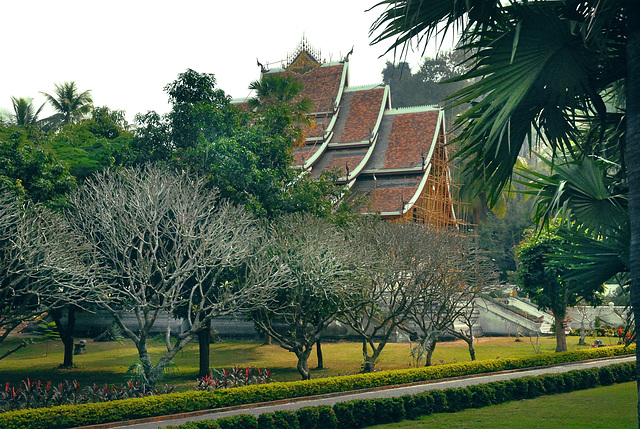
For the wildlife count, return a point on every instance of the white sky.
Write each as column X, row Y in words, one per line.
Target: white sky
column 126, row 51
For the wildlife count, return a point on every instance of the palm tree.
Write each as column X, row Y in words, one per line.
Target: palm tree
column 70, row 104
column 544, row 66
column 279, row 100
column 25, row 112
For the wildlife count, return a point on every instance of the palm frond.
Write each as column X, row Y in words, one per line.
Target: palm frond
column 582, row 191
column 535, row 76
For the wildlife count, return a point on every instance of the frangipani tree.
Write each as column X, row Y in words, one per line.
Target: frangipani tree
column 167, row 242
column 310, row 274
column 43, row 266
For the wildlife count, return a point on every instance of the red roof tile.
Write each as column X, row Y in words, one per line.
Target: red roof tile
column 410, row 139
column 363, row 113
column 344, row 163
column 321, row 85
column 390, row 199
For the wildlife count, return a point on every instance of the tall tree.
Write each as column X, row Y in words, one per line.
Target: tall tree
column 309, row 273
column 101, row 141
column 429, row 84
column 69, row 103
column 546, row 66
column 280, row 102
column 407, row 269
column 42, row 265
column 545, row 282
column 167, row 242
column 30, row 169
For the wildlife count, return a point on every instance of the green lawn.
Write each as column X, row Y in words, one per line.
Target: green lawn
column 607, row 407
column 107, row 362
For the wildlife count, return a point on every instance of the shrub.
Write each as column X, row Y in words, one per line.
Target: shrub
column 389, row 410
column 39, row 394
column 553, row 383
column 482, row 395
column 279, row 419
column 321, row 417
column 458, row 399
column 241, row 421
column 362, row 413
column 535, row 387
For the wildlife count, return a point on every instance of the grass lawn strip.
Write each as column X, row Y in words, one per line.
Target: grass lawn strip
column 607, row 407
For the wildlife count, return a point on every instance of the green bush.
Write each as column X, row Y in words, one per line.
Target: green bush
column 551, row 383
column 389, row 410
column 241, row 421
column 438, row 401
column 321, row 417
column 458, row 399
column 482, row 395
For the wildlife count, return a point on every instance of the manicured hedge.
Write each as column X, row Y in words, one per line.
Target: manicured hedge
column 67, row 416
column 368, row 412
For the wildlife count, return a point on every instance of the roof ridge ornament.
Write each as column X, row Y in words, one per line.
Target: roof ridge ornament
column 304, row 59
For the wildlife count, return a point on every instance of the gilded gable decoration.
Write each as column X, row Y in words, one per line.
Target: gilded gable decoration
column 304, row 59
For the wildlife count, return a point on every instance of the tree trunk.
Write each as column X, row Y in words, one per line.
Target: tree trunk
column 632, row 160
column 66, row 333
column 561, row 336
column 267, row 339
column 583, row 335
column 430, row 348
column 204, row 347
column 145, row 361
column 303, row 364
column 369, row 361
column 319, row 354
column 472, row 351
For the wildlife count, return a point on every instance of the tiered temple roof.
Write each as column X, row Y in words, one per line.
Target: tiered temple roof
column 396, row 157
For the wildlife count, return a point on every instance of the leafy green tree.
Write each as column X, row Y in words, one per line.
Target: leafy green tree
column 428, row 85
column 544, row 278
column 31, row 170
column 591, row 195
column 199, row 110
column 70, row 104
column 246, row 156
column 280, row 102
column 548, row 66
column 93, row 144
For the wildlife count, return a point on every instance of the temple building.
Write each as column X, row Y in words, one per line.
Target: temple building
column 397, row 158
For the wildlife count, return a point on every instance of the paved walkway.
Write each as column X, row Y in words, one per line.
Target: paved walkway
column 331, row 399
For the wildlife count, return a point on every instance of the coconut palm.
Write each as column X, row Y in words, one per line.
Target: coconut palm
column 70, row 104
column 553, row 67
column 25, row 112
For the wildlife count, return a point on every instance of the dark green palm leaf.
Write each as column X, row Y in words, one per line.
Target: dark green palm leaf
column 534, row 76
column 404, row 20
column 25, row 112
column 70, row 104
column 580, row 190
column 593, row 261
